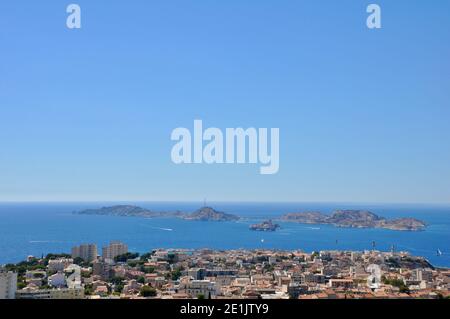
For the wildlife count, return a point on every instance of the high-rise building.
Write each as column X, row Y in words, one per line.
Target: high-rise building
column 102, row 269
column 8, row 284
column 87, row 252
column 114, row 249
column 423, row 275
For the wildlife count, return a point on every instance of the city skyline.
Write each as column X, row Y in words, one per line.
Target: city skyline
column 238, row 274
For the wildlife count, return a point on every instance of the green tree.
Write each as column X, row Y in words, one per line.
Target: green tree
column 78, row 261
column 146, row 256
column 21, row 285
column 147, row 291
column 88, row 290
column 118, row 288
column 147, row 270
column 399, row 283
column 176, row 274
column 117, row 280
column 125, row 257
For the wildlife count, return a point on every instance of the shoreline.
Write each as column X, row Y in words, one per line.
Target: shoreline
column 355, row 218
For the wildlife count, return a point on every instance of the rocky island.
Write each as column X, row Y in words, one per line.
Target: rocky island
column 210, row 214
column 265, row 226
column 202, row 214
column 339, row 218
column 355, row 218
column 130, row 211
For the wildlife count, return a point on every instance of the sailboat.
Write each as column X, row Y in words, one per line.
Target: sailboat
column 439, row 253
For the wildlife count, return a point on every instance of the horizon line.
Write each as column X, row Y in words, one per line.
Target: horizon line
column 218, row 202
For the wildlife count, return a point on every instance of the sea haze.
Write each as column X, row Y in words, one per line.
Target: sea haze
column 41, row 228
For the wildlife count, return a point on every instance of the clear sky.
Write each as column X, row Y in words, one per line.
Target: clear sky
column 364, row 115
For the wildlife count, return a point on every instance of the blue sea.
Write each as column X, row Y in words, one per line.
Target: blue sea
column 41, row 228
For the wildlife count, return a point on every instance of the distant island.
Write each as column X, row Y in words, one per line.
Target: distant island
column 355, row 218
column 130, row 211
column 202, row 214
column 265, row 226
column 339, row 218
column 209, row 214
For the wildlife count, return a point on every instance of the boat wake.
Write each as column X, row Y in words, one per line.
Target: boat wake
column 164, row 229
column 45, row 242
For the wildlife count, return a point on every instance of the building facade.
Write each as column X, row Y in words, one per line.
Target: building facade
column 8, row 284
column 87, row 252
column 64, row 293
column 114, row 249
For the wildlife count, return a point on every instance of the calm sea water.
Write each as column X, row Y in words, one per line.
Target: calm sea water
column 35, row 229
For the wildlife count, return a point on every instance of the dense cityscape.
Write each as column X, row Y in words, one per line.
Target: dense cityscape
column 231, row 274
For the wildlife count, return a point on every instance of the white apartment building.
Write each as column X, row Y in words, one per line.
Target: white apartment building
column 64, row 293
column 8, row 284
column 423, row 275
column 74, row 277
column 57, row 280
column 87, row 252
column 59, row 264
column 199, row 287
column 114, row 249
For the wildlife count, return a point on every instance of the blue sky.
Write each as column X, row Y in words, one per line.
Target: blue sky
column 87, row 114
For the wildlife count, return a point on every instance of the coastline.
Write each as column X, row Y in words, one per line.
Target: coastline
column 43, row 228
column 339, row 218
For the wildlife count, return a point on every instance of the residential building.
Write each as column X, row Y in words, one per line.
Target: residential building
column 296, row 289
column 57, row 280
column 114, row 249
column 8, row 284
column 199, row 287
column 64, row 293
column 102, row 269
column 56, row 265
column 87, row 252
